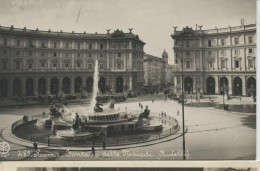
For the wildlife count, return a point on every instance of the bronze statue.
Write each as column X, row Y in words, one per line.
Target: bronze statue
column 97, row 107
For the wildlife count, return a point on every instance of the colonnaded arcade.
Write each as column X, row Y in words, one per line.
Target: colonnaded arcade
column 37, row 62
column 214, row 58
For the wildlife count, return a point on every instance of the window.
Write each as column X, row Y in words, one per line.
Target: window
column 5, row 41
column 209, row 53
column 89, row 66
column 187, row 44
column 54, row 66
column 55, row 54
column 119, row 65
column 250, row 50
column 54, row 44
column 119, row 54
column 101, row 55
column 250, row 39
column 17, row 53
column 42, row 53
column 236, row 51
column 30, row 53
column 250, row 63
column 31, row 43
column 236, row 64
column 78, row 45
column 188, row 64
column 210, row 64
column 90, row 46
column 67, row 45
column 67, row 55
column 101, row 46
column 17, row 65
column 66, row 66
column 209, row 43
column 89, row 55
column 78, row 64
column 222, row 42
column 18, row 42
column 4, row 65
column 101, row 66
column 236, row 40
column 43, row 44
column 42, row 65
column 223, row 64
column 222, row 52
column 187, row 53
column 78, row 54
column 29, row 66
column 5, row 52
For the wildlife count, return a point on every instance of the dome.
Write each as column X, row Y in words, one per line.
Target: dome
column 164, row 54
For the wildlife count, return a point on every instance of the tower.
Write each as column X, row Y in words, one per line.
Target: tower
column 165, row 56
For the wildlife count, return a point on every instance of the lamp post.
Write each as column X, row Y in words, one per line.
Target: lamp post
column 182, row 99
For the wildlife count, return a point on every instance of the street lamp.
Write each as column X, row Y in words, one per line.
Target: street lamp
column 182, row 96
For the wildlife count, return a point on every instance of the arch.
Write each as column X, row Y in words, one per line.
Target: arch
column 42, row 86
column 102, row 84
column 188, row 85
column 4, row 87
column 210, row 85
column 54, row 86
column 17, row 87
column 119, row 84
column 237, row 86
column 223, row 84
column 77, row 84
column 29, row 87
column 66, row 85
column 251, row 85
column 89, row 84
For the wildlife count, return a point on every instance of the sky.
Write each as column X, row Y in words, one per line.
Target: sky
column 152, row 20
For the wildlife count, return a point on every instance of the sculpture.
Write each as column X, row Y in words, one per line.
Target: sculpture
column 145, row 114
column 97, row 107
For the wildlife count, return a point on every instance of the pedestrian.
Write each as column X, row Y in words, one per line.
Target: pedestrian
column 165, row 114
column 162, row 114
column 152, row 100
column 43, row 114
column 104, row 144
column 178, row 113
column 141, row 107
column 48, row 140
column 17, row 106
column 139, row 104
column 93, row 150
column 35, row 145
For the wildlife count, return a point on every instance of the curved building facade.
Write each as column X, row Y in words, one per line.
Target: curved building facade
column 34, row 62
column 215, row 58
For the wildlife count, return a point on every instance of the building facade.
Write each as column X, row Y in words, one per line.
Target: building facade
column 213, row 59
column 34, row 62
column 157, row 71
column 154, row 70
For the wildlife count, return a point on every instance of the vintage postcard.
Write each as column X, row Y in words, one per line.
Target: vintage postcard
column 101, row 80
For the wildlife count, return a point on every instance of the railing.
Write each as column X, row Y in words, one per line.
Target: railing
column 111, row 141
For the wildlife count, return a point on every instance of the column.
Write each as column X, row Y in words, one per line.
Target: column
column 130, row 61
column 48, row 86
column 216, row 85
column 72, row 90
column 175, row 84
column 60, row 84
column 84, row 85
column 35, row 86
column 201, row 84
column 130, row 82
column 23, row 86
column 230, row 85
column 243, row 85
column 10, row 89
column 194, row 84
column 72, row 60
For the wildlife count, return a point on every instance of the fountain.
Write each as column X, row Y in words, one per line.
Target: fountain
column 85, row 123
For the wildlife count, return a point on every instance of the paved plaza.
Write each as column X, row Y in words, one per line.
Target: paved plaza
column 211, row 134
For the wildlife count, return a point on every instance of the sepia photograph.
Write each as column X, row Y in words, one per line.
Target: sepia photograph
column 136, row 169
column 128, row 80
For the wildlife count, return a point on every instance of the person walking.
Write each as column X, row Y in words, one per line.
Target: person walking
column 93, row 150
column 178, row 113
column 104, row 144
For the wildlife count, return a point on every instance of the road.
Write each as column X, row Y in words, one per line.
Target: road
column 212, row 135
